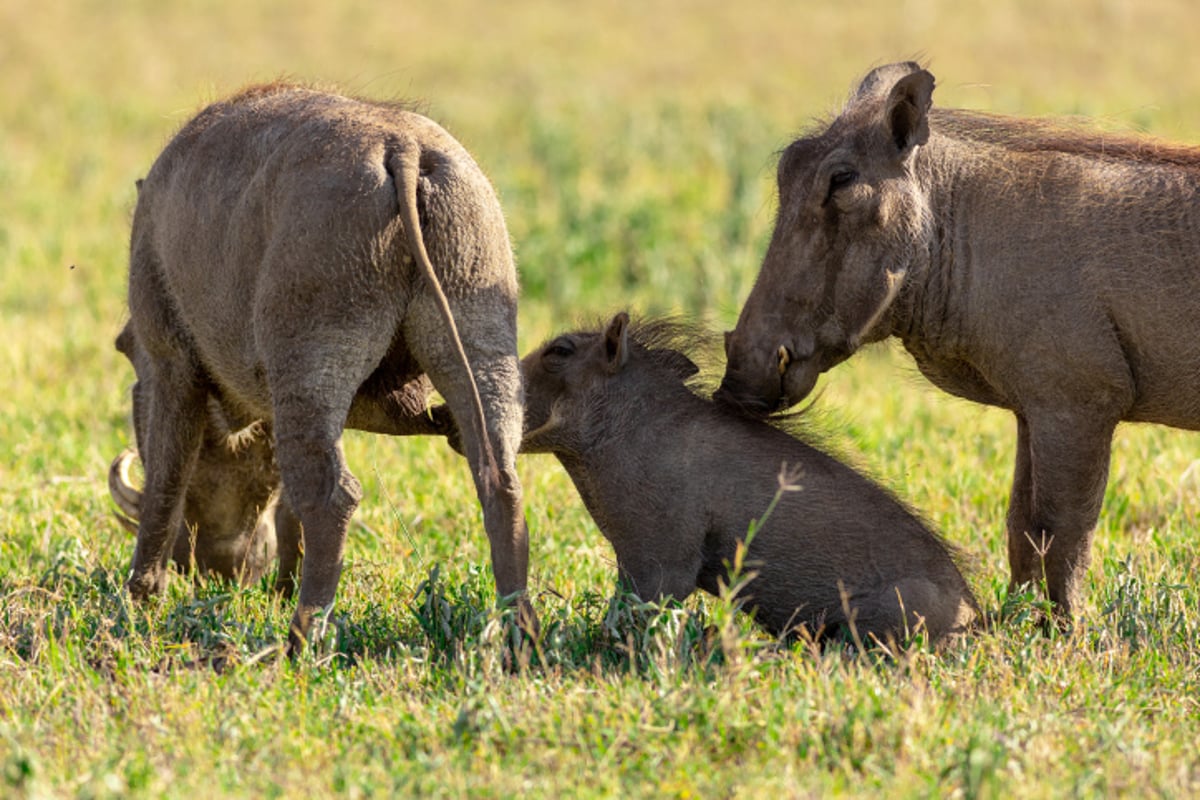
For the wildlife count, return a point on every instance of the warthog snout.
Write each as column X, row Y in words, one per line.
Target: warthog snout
column 781, row 382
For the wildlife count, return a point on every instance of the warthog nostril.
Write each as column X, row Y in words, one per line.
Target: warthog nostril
column 785, row 358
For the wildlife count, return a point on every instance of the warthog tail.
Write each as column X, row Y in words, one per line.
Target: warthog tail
column 405, row 166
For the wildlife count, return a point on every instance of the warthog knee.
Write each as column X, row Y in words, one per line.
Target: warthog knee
column 337, row 503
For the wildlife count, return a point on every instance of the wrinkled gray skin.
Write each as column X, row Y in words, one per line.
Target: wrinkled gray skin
column 233, row 523
column 674, row 482
column 1043, row 269
column 306, row 259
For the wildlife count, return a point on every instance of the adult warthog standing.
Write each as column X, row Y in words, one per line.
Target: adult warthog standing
column 1033, row 266
column 307, row 259
column 675, row 482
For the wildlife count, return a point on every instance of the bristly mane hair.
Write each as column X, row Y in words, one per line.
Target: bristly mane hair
column 661, row 337
column 664, row 339
column 1071, row 136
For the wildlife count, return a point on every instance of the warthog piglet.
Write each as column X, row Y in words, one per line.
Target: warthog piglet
column 674, row 481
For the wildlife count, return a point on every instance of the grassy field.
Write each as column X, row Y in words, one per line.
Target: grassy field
column 633, row 147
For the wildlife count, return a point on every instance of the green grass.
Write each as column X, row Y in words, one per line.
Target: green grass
column 634, row 152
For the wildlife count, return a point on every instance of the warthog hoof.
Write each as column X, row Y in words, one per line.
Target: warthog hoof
column 309, row 624
column 146, row 584
column 527, row 618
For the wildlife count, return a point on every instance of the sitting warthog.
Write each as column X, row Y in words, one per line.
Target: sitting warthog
column 1040, row 268
column 307, row 259
column 674, row 482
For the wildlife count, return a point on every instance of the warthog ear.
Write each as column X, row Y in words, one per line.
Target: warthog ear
column 907, row 111
column 616, row 342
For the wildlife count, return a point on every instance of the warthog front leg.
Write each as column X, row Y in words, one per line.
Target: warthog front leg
column 174, row 402
column 1058, row 487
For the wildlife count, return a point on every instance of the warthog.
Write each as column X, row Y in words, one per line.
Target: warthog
column 233, row 523
column 307, row 259
column 1028, row 265
column 674, row 482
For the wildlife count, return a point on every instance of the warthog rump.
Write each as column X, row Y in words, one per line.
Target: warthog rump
column 1041, row 268
column 674, row 482
column 318, row 262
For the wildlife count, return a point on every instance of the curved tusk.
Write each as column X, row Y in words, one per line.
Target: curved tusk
column 785, row 358
column 894, row 279
column 553, row 422
column 127, row 497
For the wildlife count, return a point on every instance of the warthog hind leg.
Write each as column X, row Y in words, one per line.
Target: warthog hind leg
column 488, row 342
column 314, row 375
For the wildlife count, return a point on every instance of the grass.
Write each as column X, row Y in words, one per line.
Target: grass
column 633, row 148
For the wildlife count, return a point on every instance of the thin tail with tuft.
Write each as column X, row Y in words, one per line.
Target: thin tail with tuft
column 405, row 167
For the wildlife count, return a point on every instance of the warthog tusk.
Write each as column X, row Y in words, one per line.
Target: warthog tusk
column 895, row 278
column 785, row 358
column 555, row 420
column 127, row 497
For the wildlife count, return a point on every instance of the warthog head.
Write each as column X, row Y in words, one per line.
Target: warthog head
column 229, row 515
column 851, row 216
column 228, row 524
column 578, row 388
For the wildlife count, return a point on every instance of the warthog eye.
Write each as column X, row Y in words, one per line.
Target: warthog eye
column 840, row 180
column 557, row 354
column 559, row 349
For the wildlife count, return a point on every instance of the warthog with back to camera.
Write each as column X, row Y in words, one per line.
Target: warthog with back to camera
column 306, row 259
column 674, row 482
column 1037, row 267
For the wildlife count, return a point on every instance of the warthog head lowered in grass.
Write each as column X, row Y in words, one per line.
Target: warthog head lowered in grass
column 228, row 526
column 234, row 522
